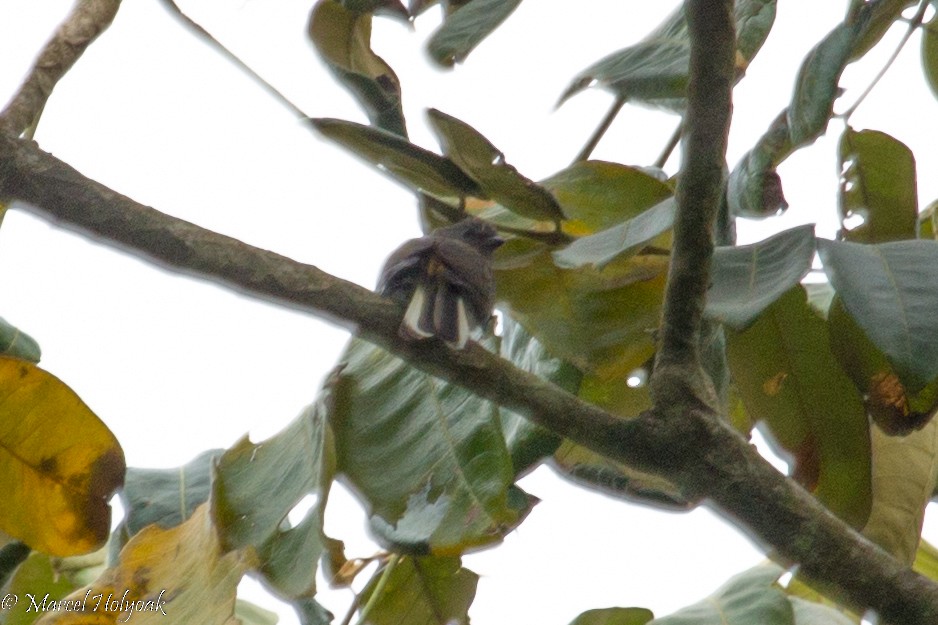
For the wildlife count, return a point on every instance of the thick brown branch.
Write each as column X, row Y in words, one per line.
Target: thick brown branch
column 88, row 19
column 706, row 126
column 703, row 456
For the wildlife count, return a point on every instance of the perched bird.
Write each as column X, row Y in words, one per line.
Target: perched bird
column 445, row 278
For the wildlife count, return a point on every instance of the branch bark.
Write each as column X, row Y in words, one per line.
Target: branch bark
column 88, row 19
column 697, row 450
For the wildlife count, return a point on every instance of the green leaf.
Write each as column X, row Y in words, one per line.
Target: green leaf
column 464, row 29
column 614, row 616
column 905, row 471
column 926, row 560
column 386, row 7
column 427, row 457
column 619, row 241
column 750, row 597
column 654, row 71
column 428, row 590
column 486, row 165
column 248, row 613
column 18, row 344
column 311, row 612
column 817, row 84
column 930, row 53
column 746, row 279
column 342, row 36
column 877, row 186
column 596, row 195
column 754, row 189
column 883, row 14
column 407, row 163
column 281, row 471
column 788, row 378
column 813, row 613
column 40, row 574
column 166, row 497
column 600, row 321
column 891, row 291
column 527, row 443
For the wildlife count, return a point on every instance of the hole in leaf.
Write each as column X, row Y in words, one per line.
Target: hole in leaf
column 300, row 511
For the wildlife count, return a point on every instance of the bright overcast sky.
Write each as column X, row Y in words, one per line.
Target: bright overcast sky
column 175, row 366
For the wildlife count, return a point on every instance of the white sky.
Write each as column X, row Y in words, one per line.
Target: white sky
column 175, row 366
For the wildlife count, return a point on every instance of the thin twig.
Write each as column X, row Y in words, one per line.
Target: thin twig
column 174, row 9
column 914, row 23
column 669, row 146
column 600, row 131
column 82, row 26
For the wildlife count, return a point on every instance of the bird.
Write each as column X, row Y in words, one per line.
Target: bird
column 446, row 281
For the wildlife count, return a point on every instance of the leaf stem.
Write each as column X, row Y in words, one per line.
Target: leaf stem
column 914, row 23
column 601, row 130
column 670, row 145
column 174, row 9
column 379, row 587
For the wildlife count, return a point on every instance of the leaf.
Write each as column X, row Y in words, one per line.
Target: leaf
column 812, row 613
column 788, row 378
column 249, row 614
column 59, row 464
column 890, row 405
column 428, row 590
column 883, row 14
column 312, row 613
column 464, row 29
column 614, row 616
column 654, row 71
column 891, row 292
column 877, row 186
column 18, row 344
column 486, row 165
column 426, row 457
column 342, row 36
column 754, row 189
column 817, row 84
column 746, row 279
column 600, row 321
column 182, row 572
column 905, row 471
column 926, row 560
column 407, row 163
column 166, row 497
column 41, row 575
column 596, row 195
column 528, row 443
column 750, row 597
column 618, row 241
column 281, row 471
column 930, row 53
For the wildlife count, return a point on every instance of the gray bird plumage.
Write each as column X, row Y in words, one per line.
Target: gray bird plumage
column 445, row 278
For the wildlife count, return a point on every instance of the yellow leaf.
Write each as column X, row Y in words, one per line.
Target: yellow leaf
column 176, row 575
column 905, row 470
column 59, row 464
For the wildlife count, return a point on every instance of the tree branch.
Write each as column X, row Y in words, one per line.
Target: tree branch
column 704, row 456
column 711, row 26
column 88, row 19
